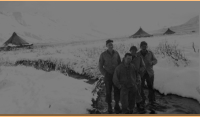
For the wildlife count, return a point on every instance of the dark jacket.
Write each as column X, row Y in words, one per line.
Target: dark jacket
column 139, row 64
column 125, row 76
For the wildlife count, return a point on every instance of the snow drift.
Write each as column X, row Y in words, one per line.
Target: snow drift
column 25, row 90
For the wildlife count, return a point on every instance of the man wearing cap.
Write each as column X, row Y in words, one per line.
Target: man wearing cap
column 108, row 61
column 140, row 67
column 149, row 60
column 126, row 78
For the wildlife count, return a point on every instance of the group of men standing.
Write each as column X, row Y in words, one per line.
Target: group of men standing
column 127, row 77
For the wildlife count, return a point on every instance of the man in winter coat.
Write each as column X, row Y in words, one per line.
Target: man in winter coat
column 149, row 60
column 108, row 61
column 140, row 67
column 125, row 78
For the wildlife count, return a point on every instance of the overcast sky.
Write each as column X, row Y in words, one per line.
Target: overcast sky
column 110, row 16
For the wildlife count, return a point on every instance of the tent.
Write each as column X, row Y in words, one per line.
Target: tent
column 140, row 33
column 168, row 32
column 16, row 40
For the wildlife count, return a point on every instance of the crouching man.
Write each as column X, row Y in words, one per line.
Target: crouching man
column 125, row 78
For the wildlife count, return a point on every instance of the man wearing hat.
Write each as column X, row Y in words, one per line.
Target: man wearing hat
column 108, row 61
column 126, row 78
column 149, row 60
column 138, row 62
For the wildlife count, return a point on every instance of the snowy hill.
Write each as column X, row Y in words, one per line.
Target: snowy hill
column 39, row 28
column 36, row 28
column 191, row 26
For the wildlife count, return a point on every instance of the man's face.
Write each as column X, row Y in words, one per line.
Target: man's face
column 110, row 46
column 144, row 47
column 128, row 59
column 133, row 52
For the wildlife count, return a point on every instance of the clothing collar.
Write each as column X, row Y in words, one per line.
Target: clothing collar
column 135, row 56
column 140, row 52
column 145, row 51
column 109, row 52
column 126, row 65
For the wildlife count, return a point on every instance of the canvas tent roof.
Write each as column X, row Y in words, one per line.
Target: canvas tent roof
column 169, row 32
column 141, row 33
column 16, row 40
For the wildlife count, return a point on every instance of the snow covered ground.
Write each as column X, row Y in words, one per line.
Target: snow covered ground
column 33, row 91
column 26, row 90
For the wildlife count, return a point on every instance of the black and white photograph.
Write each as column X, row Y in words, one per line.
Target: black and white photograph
column 99, row 57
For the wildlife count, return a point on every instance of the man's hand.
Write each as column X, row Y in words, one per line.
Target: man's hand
column 120, row 87
column 104, row 73
column 138, row 82
column 151, row 63
column 142, row 69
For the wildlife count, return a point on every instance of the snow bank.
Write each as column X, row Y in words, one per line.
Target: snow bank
column 180, row 81
column 25, row 90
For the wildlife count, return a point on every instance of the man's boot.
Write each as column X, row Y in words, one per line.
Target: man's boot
column 152, row 102
column 127, row 111
column 110, row 111
column 117, row 108
column 140, row 107
column 131, row 111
